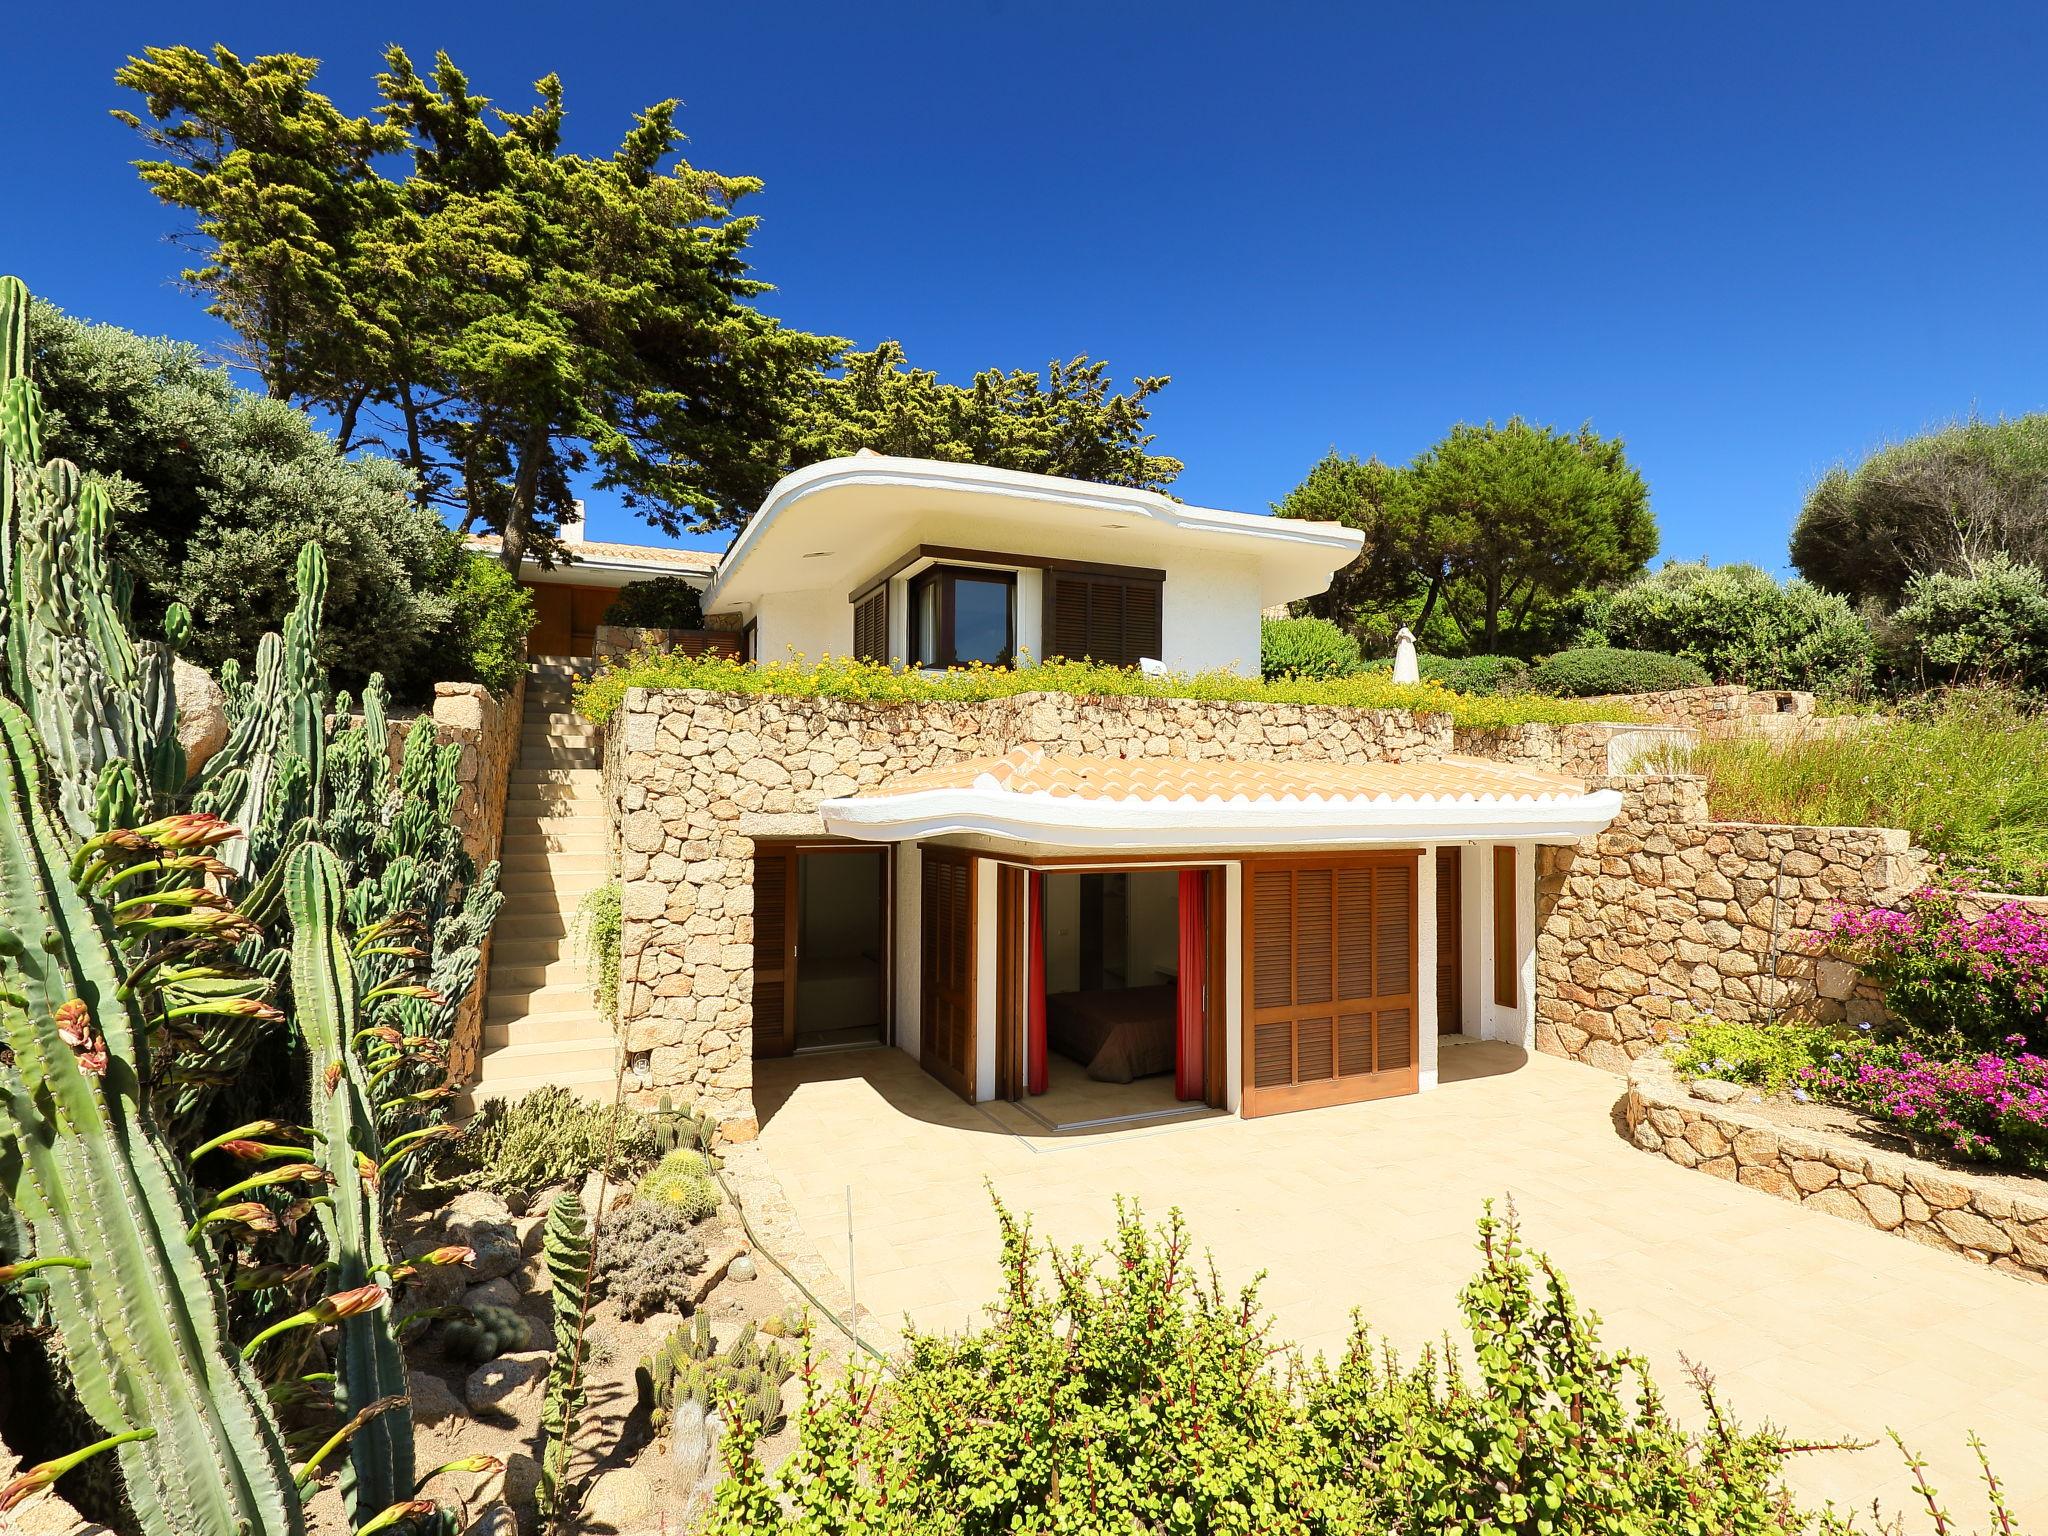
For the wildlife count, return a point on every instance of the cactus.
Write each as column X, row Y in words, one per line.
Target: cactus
column 685, row 1127
column 566, row 1247
column 379, row 1471
column 681, row 1181
column 142, row 1326
column 748, row 1375
column 487, row 1333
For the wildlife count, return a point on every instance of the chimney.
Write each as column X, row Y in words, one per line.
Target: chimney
column 572, row 527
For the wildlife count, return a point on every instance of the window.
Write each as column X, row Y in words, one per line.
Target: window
column 959, row 615
column 1109, row 618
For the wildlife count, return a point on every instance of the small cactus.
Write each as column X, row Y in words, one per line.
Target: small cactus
column 682, row 1181
column 488, row 1332
column 688, row 1368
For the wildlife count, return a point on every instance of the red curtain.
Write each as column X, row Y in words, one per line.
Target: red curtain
column 1190, row 1045
column 1035, row 1077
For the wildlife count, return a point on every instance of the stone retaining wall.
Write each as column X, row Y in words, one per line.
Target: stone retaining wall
column 486, row 727
column 1710, row 709
column 1668, row 913
column 693, row 777
column 1941, row 1207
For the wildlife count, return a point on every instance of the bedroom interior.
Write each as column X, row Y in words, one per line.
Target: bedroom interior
column 1112, row 955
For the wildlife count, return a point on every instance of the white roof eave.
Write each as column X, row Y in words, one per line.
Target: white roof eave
column 1333, row 541
column 1072, row 822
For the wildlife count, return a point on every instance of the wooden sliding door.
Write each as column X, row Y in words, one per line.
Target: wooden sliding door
column 775, row 927
column 1330, row 981
column 946, row 932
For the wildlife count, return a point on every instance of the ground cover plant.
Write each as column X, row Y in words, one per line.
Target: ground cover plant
column 870, row 682
column 1773, row 1057
column 1130, row 1391
column 1966, row 773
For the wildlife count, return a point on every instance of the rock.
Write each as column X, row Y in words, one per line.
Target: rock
column 1756, row 1146
column 434, row 1285
column 496, row 1520
column 529, row 1230
column 432, row 1399
column 1706, row 1139
column 507, row 1386
column 1839, row 1202
column 1811, row 1175
column 1941, row 1194
column 1768, row 1179
column 1885, row 1208
column 500, row 1292
column 1717, row 1091
column 1969, row 1230
column 617, row 1193
column 202, row 714
column 497, row 1252
column 471, row 1207
column 620, row 1500
column 483, row 1222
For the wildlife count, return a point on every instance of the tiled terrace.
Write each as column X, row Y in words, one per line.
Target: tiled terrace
column 1814, row 1323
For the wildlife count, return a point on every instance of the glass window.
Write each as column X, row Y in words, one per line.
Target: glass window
column 960, row 615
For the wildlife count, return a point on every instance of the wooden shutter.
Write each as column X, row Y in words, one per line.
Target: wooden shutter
column 1111, row 619
column 774, row 950
column 871, row 626
column 1506, row 945
column 1450, row 941
column 946, row 968
column 1330, row 981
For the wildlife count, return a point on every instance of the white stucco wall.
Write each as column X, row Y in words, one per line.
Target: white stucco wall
column 909, row 897
column 1209, row 619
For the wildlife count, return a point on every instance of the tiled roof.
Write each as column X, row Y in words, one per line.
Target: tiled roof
column 638, row 554
column 1032, row 771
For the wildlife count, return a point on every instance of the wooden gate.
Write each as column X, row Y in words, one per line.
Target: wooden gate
column 1330, row 978
column 945, row 1035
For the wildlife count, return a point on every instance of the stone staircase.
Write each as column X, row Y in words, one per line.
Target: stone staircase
column 541, row 1023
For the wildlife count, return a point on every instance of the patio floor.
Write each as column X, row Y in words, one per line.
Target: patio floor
column 1825, row 1327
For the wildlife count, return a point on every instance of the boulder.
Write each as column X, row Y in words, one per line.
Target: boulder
column 484, row 1222
column 619, row 1500
column 433, row 1285
column 508, row 1386
column 500, row 1292
column 432, row 1399
column 202, row 714
column 496, row 1520
column 1716, row 1090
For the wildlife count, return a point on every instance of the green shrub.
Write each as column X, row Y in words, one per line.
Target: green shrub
column 682, row 1182
column 1136, row 1394
column 548, row 1136
column 1601, row 669
column 663, row 602
column 1306, row 648
column 1966, row 774
column 1477, row 674
column 1743, row 626
column 600, row 926
column 1990, row 625
column 871, row 682
column 1770, row 1056
column 490, row 615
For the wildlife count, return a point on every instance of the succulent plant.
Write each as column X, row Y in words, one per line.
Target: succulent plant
column 646, row 1255
column 488, row 1332
column 748, row 1375
column 682, row 1182
column 565, row 1247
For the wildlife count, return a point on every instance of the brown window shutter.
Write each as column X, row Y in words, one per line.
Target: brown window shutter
column 871, row 626
column 1506, row 981
column 1114, row 620
column 774, row 978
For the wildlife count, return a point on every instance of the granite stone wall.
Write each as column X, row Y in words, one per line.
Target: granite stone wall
column 693, row 778
column 1669, row 913
column 486, row 727
column 1982, row 1219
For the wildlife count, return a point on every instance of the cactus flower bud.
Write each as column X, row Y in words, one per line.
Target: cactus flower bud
column 346, row 1304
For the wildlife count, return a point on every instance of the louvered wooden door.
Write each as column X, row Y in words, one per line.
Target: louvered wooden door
column 1330, row 970
column 946, row 968
column 1450, row 941
column 774, row 949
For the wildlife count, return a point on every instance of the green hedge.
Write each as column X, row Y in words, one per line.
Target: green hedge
column 871, row 682
column 1468, row 674
column 1306, row 648
column 1597, row 670
column 662, row 602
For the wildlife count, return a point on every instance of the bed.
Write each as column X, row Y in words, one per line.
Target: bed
column 1117, row 1035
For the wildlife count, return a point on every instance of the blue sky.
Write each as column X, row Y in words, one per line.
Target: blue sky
column 1751, row 240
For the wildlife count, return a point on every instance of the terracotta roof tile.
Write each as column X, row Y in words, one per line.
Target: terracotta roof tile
column 645, row 554
column 1032, row 771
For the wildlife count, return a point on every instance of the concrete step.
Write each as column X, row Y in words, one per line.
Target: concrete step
column 550, row 756
column 526, row 776
column 546, row 1059
column 554, row 825
column 563, row 1029
column 533, row 901
column 598, row 1085
column 553, row 800
column 530, row 843
column 563, row 999
column 525, row 949
column 507, row 976
column 543, row 863
column 512, row 923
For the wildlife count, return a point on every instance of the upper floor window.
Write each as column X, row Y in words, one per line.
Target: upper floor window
column 960, row 614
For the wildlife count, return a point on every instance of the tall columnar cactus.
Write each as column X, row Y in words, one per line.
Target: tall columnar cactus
column 141, row 1319
column 370, row 1367
column 565, row 1245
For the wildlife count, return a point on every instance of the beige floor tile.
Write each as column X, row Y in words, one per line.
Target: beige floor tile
column 1815, row 1323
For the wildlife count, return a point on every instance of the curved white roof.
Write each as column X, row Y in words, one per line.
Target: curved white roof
column 836, row 523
